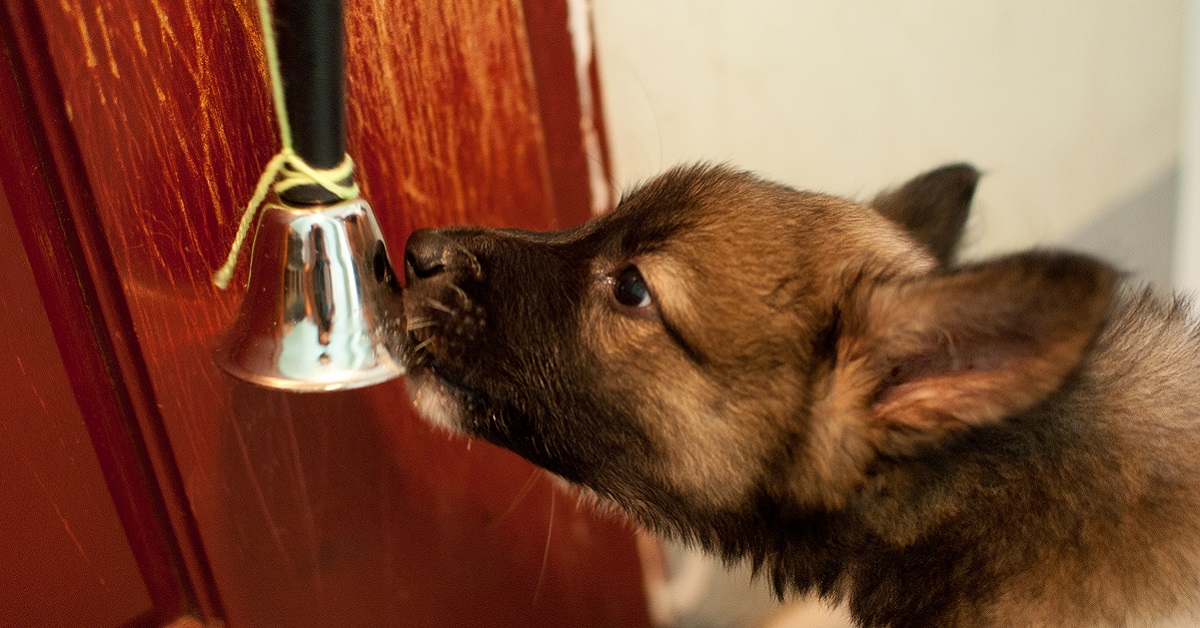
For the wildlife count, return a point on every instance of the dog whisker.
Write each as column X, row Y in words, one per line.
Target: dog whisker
column 419, row 323
column 529, row 483
column 439, row 306
column 421, row 346
column 537, row 591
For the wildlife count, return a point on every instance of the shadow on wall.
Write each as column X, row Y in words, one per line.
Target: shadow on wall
column 704, row 593
column 1137, row 232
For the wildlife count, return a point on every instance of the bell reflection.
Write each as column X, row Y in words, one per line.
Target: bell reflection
column 322, row 307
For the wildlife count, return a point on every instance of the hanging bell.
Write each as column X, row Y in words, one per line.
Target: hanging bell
column 322, row 309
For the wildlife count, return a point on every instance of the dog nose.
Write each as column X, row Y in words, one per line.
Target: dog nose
column 429, row 253
column 425, row 254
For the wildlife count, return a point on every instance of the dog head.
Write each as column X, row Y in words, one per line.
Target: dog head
column 718, row 341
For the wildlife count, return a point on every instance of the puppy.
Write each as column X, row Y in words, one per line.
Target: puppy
column 814, row 385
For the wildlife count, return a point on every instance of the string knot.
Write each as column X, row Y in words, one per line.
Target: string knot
column 286, row 170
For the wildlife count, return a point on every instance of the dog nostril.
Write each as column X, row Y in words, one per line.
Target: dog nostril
column 425, row 254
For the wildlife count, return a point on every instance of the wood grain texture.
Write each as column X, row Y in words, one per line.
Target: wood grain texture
column 65, row 555
column 40, row 172
column 559, row 101
column 443, row 117
column 337, row 509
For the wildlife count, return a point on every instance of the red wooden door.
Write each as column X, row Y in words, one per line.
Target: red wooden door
column 145, row 124
column 64, row 553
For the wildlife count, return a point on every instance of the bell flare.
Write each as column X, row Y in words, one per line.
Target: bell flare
column 323, row 309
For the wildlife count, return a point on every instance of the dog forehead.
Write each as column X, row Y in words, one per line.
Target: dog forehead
column 708, row 207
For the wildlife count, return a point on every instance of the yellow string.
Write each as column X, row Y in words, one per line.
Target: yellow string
column 286, row 165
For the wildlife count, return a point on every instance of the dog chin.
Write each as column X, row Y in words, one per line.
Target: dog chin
column 437, row 401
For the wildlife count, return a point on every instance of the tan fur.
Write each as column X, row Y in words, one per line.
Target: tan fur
column 815, row 385
column 712, row 437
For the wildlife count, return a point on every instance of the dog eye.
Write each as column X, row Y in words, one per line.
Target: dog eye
column 630, row 288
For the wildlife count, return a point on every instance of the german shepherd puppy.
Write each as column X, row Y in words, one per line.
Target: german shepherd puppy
column 816, row 386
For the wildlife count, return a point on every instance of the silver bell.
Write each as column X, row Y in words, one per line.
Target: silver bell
column 322, row 308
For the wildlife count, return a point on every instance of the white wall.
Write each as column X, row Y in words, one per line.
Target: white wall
column 1071, row 108
column 1187, row 237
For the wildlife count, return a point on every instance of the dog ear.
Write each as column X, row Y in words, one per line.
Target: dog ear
column 933, row 207
column 926, row 357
